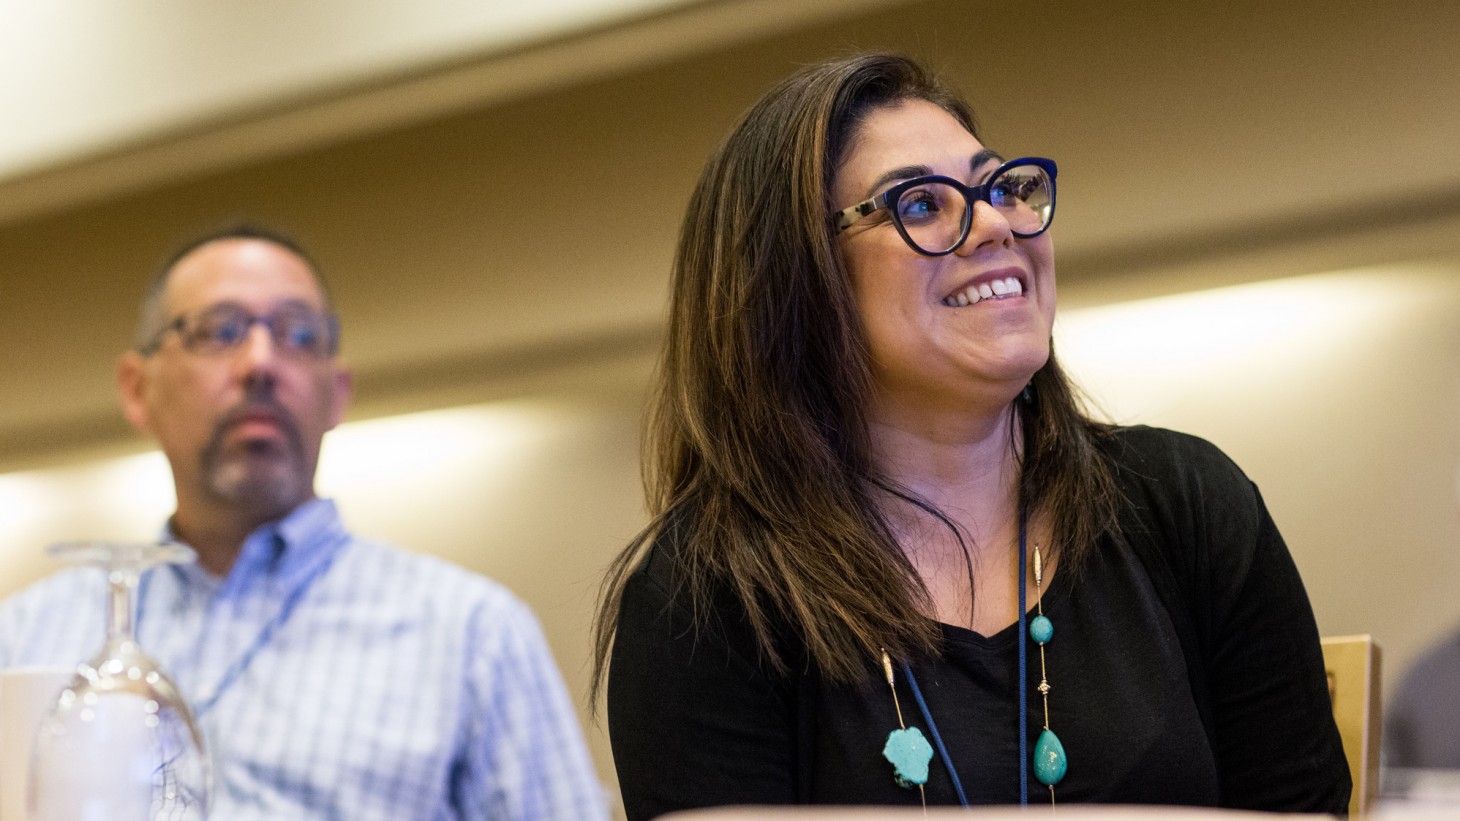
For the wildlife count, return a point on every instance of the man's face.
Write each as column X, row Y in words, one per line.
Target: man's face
column 241, row 426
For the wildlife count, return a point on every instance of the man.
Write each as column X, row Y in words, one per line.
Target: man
column 1422, row 723
column 333, row 677
column 1422, row 729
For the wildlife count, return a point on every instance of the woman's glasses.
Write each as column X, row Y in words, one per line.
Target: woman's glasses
column 934, row 214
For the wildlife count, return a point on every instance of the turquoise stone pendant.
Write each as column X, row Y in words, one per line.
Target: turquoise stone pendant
column 909, row 754
column 1041, row 629
column 1049, row 759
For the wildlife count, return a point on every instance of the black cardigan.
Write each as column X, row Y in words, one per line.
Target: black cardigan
column 1185, row 669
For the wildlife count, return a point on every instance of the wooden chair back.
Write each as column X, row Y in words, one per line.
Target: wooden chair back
column 1353, row 686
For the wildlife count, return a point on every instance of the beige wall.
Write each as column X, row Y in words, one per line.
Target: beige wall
column 1220, row 158
column 1339, row 394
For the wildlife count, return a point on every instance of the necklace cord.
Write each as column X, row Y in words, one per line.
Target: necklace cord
column 1023, row 668
column 917, row 692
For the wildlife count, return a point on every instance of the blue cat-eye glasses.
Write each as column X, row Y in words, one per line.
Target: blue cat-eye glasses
column 934, row 214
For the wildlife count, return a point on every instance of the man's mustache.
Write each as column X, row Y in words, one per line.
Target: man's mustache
column 256, row 407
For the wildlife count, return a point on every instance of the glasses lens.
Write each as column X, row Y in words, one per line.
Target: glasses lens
column 216, row 329
column 931, row 215
column 303, row 332
column 1024, row 194
column 294, row 331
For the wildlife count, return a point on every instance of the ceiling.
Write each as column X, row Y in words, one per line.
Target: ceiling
column 1198, row 144
column 102, row 75
column 104, row 99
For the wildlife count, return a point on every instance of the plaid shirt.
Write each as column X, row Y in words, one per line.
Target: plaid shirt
column 339, row 679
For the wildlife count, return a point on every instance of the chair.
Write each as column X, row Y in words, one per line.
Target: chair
column 1353, row 685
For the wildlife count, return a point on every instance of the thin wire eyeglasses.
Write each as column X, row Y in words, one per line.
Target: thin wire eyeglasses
column 295, row 331
column 934, row 214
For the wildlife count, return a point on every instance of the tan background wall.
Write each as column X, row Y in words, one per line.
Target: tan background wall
column 514, row 256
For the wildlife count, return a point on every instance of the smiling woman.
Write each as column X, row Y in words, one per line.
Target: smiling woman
column 891, row 560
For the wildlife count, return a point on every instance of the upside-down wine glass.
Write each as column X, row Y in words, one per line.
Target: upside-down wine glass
column 120, row 743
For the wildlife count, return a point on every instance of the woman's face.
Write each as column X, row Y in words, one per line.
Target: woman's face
column 925, row 345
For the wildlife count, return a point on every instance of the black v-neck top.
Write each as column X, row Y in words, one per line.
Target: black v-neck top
column 696, row 719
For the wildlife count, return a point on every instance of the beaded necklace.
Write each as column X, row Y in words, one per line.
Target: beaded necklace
column 910, row 753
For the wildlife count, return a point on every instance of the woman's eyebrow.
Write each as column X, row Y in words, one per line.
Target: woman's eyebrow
column 906, row 172
column 982, row 158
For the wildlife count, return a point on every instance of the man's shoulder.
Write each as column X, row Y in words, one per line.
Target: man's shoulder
column 436, row 597
column 50, row 622
column 62, row 586
column 1439, row 662
column 409, row 577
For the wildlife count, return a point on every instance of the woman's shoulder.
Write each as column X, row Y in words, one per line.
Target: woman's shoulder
column 672, row 581
column 1183, row 492
column 1161, row 449
column 1156, row 460
column 672, row 603
column 664, row 568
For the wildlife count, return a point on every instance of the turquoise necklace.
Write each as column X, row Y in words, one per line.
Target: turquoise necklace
column 910, row 753
column 1049, row 754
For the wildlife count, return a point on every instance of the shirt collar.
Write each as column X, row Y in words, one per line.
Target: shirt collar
column 285, row 551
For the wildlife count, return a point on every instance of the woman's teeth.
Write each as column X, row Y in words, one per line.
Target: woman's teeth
column 993, row 289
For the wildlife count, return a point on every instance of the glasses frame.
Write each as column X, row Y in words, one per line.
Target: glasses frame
column 973, row 194
column 180, row 323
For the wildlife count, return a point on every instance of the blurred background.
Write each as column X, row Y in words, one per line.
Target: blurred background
column 1258, row 242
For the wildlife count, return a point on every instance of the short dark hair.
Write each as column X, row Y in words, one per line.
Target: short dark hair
column 150, row 319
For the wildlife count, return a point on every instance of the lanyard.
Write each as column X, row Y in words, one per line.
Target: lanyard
column 1023, row 695
column 264, row 637
column 1024, row 665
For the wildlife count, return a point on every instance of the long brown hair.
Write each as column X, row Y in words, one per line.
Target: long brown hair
column 756, row 444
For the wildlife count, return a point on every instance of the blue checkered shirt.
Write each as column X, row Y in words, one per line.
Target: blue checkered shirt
column 398, row 686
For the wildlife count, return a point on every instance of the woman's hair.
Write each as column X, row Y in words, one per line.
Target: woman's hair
column 756, row 444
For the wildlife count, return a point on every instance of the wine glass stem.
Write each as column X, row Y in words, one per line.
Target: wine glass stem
column 121, row 605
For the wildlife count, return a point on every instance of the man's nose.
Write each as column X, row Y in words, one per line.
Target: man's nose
column 257, row 355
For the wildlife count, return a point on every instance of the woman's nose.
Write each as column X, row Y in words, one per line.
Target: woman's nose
column 989, row 225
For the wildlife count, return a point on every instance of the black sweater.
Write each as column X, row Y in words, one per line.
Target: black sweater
column 1185, row 669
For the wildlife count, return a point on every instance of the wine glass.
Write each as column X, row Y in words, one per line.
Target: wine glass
column 120, row 743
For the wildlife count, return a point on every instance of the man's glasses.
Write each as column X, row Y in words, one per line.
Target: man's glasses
column 295, row 330
column 934, row 214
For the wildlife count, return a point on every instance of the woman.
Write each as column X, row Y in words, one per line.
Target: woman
column 874, row 494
